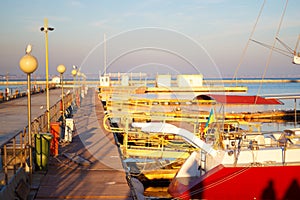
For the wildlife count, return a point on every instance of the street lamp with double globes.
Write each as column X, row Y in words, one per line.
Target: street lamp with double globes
column 28, row 64
column 46, row 29
column 61, row 70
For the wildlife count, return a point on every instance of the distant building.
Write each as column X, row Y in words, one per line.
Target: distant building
column 56, row 80
column 125, row 80
column 163, row 80
column 190, row 80
column 105, row 80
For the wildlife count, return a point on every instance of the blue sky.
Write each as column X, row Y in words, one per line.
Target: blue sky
column 194, row 36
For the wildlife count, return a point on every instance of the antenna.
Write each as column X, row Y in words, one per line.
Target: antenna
column 104, row 53
column 288, row 52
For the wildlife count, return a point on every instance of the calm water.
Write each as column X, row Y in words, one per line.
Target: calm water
column 13, row 88
column 268, row 89
column 289, row 104
column 253, row 89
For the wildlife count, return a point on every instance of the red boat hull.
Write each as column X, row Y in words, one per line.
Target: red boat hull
column 272, row 182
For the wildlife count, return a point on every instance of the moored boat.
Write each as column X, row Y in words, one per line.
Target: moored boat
column 249, row 167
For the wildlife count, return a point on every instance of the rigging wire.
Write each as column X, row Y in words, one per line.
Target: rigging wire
column 247, row 44
column 271, row 51
column 296, row 47
column 281, row 51
column 286, row 46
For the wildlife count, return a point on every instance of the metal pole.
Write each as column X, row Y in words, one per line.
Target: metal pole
column 29, row 124
column 74, row 100
column 62, row 99
column 295, row 110
column 47, row 73
column 75, row 90
column 104, row 54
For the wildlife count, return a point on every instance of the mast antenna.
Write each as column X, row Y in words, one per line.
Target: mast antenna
column 104, row 53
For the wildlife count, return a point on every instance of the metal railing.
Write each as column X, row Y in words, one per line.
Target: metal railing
column 15, row 150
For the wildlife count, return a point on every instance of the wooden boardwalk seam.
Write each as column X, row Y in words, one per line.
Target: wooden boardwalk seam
column 104, row 178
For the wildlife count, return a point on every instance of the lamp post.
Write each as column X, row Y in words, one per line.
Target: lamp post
column 28, row 64
column 83, row 82
column 79, row 87
column 74, row 72
column 45, row 29
column 61, row 70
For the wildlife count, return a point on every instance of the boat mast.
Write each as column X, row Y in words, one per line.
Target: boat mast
column 104, row 54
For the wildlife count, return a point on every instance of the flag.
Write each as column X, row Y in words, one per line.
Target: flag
column 211, row 119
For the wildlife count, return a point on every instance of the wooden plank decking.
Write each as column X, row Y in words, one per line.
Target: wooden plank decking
column 100, row 175
column 13, row 113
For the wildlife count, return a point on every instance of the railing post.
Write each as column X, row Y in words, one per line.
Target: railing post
column 22, row 150
column 39, row 124
column 5, row 165
column 25, row 144
column 14, row 155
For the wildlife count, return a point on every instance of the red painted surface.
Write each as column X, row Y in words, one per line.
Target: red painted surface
column 239, row 99
column 275, row 182
column 55, row 131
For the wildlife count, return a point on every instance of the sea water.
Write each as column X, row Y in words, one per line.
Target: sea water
column 279, row 89
column 265, row 89
column 13, row 88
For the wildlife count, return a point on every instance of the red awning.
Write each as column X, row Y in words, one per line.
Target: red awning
column 239, row 99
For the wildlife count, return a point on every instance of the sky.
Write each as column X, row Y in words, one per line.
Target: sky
column 151, row 36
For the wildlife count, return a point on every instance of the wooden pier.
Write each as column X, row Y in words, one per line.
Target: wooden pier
column 89, row 167
column 13, row 113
